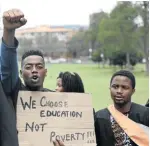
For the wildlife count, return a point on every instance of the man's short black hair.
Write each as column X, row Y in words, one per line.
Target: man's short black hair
column 127, row 74
column 30, row 53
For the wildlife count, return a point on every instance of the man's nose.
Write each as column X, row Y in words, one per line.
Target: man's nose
column 34, row 69
column 119, row 90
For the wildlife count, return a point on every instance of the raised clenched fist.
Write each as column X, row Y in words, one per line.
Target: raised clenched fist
column 13, row 19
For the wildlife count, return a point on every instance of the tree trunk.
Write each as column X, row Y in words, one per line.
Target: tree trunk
column 128, row 61
column 147, row 66
column 103, row 62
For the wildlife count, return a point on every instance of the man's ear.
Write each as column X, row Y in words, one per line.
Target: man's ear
column 109, row 87
column 133, row 91
column 45, row 72
column 21, row 73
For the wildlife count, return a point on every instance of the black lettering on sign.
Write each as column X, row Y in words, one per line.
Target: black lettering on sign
column 34, row 127
column 93, row 133
column 37, row 127
column 47, row 103
column 30, row 104
column 72, row 114
column 58, row 137
column 42, row 113
column 66, row 104
column 90, row 134
column 52, row 135
column 41, row 103
column 73, row 137
column 67, row 137
column 91, row 141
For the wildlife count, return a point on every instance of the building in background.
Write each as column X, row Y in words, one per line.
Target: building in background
column 62, row 34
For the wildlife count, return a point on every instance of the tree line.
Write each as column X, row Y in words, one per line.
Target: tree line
column 120, row 37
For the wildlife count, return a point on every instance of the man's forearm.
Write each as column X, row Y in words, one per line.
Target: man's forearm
column 8, row 37
column 8, row 66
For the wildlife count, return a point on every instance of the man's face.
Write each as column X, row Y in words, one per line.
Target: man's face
column 121, row 90
column 33, row 72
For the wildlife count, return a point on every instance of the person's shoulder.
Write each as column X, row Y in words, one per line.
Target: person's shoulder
column 102, row 113
column 19, row 85
column 102, row 118
column 139, row 108
column 140, row 114
column 147, row 103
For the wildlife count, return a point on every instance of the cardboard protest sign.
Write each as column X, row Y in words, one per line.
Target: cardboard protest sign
column 44, row 116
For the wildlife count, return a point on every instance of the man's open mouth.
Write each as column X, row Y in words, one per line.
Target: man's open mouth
column 35, row 78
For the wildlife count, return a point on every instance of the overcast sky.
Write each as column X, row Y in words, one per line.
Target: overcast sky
column 58, row 12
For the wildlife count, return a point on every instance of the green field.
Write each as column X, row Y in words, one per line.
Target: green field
column 96, row 81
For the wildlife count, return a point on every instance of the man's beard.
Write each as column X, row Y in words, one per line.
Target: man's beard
column 121, row 104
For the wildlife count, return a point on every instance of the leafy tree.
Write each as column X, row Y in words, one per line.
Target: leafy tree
column 119, row 58
column 96, row 56
column 118, row 32
column 78, row 45
column 95, row 19
column 142, row 8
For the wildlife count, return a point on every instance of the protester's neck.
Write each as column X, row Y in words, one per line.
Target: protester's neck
column 123, row 109
column 35, row 88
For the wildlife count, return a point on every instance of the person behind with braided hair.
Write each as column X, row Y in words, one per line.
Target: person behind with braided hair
column 69, row 82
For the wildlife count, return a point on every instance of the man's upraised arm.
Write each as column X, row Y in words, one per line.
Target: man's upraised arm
column 8, row 66
column 12, row 19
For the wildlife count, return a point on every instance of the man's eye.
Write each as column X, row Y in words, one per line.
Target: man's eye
column 115, row 87
column 28, row 67
column 125, row 87
column 39, row 67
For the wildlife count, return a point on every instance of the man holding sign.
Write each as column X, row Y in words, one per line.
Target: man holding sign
column 33, row 69
column 54, row 115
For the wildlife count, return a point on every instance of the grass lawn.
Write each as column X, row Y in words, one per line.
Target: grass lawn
column 96, row 81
